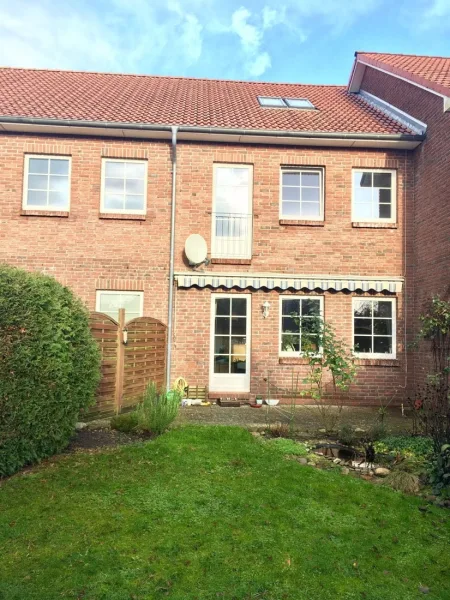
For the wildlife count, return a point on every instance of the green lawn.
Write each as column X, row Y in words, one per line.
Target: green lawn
column 210, row 512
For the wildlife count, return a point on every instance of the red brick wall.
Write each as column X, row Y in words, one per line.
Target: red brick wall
column 82, row 250
column 431, row 238
column 88, row 253
column 335, row 248
column 376, row 379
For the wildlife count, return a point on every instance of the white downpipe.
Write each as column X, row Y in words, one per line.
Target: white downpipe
column 172, row 257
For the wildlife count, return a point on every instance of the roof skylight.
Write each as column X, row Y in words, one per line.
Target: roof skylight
column 273, row 102
column 298, row 103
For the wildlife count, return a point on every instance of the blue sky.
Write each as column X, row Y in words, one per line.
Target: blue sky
column 307, row 41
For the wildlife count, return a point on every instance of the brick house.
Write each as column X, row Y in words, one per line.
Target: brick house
column 312, row 199
column 420, row 87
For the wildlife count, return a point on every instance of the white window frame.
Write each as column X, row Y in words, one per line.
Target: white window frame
column 45, row 207
column 99, row 293
column 281, row 102
column 393, row 218
column 285, row 353
column 249, row 248
column 308, row 104
column 377, row 355
column 102, row 190
column 300, row 170
column 230, row 382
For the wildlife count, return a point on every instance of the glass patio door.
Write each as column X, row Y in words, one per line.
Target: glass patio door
column 230, row 343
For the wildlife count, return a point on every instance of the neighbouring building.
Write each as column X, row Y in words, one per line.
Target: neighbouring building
column 312, row 199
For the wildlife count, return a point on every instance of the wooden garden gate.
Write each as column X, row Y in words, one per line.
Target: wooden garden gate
column 132, row 354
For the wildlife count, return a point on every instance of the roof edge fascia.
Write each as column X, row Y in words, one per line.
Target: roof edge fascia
column 359, row 68
column 194, row 133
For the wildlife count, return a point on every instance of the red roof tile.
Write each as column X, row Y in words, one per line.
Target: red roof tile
column 182, row 101
column 432, row 72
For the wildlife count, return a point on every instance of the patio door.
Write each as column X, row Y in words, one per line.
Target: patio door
column 230, row 343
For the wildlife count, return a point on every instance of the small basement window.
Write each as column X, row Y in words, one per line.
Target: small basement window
column 109, row 302
column 272, row 102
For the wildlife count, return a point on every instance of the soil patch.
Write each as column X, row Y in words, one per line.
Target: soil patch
column 306, row 419
column 91, row 439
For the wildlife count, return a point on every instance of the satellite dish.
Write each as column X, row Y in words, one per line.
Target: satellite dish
column 195, row 249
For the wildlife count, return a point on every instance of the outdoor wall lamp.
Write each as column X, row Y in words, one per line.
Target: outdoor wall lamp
column 125, row 336
column 265, row 309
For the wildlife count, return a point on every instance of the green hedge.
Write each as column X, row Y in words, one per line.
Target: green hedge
column 49, row 366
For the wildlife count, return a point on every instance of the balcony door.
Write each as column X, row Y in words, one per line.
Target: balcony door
column 232, row 211
column 230, row 343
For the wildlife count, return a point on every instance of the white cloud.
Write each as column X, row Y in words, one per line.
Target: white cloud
column 259, row 64
column 251, row 37
column 273, row 16
column 434, row 15
column 437, row 9
column 122, row 38
column 191, row 33
column 167, row 36
column 33, row 35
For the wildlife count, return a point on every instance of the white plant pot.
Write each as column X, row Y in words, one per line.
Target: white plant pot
column 259, row 401
column 272, row 402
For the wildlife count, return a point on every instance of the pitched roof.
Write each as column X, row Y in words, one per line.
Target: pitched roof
column 431, row 72
column 159, row 100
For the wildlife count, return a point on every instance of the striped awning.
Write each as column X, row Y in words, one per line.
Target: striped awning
column 293, row 282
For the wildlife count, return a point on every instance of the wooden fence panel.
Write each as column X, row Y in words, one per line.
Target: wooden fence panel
column 144, row 359
column 132, row 355
column 104, row 330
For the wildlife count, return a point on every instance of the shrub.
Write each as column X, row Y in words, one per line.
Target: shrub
column 431, row 406
column 440, row 474
column 402, row 481
column 126, row 422
column 49, row 367
column 347, row 435
column 157, row 410
column 278, row 430
column 405, row 445
column 334, row 361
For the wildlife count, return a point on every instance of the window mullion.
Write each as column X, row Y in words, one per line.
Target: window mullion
column 48, row 184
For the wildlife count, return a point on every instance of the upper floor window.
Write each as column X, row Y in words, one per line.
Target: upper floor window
column 374, row 327
column 124, row 186
column 299, row 324
column 374, row 195
column 301, row 194
column 232, row 211
column 47, row 183
column 109, row 302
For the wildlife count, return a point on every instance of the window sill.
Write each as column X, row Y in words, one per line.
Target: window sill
column 44, row 213
column 293, row 360
column 302, row 223
column 362, row 225
column 122, row 217
column 231, row 261
column 377, row 362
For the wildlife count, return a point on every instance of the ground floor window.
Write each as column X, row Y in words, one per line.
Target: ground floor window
column 374, row 326
column 298, row 324
column 109, row 302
